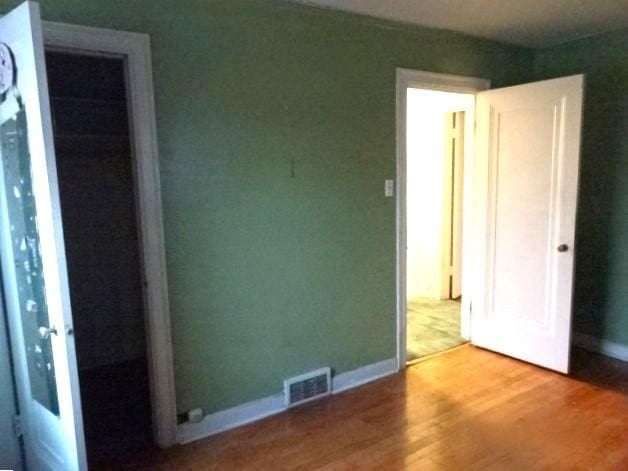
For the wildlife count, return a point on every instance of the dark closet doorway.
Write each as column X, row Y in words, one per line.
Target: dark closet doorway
column 98, row 203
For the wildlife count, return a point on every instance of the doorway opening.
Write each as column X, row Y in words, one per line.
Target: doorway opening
column 98, row 202
column 436, row 144
column 519, row 211
column 435, row 169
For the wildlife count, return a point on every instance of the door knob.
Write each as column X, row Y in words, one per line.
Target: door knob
column 563, row 248
column 46, row 332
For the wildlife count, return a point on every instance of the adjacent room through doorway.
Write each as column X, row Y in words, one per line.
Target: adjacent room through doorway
column 436, row 145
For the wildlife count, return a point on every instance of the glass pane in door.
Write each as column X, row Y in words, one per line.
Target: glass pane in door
column 23, row 280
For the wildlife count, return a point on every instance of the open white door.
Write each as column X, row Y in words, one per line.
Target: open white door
column 453, row 179
column 9, row 445
column 34, row 278
column 527, row 158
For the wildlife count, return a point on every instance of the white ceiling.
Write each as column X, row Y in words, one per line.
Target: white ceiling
column 532, row 23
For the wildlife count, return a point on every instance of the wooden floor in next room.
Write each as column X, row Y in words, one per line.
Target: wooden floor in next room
column 464, row 409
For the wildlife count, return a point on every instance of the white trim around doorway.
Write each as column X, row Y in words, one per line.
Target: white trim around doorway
column 134, row 49
column 407, row 78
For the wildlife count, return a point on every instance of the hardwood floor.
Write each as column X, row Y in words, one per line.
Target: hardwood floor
column 465, row 409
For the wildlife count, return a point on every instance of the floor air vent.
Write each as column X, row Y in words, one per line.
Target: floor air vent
column 307, row 387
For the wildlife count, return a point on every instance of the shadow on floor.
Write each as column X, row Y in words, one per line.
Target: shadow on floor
column 599, row 370
column 116, row 411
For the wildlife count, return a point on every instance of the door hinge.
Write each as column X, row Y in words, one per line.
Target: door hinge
column 17, row 426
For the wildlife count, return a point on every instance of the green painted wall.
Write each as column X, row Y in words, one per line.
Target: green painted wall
column 601, row 290
column 276, row 131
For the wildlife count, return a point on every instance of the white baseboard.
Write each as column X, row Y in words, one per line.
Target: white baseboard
column 253, row 411
column 605, row 347
column 231, row 418
column 363, row 375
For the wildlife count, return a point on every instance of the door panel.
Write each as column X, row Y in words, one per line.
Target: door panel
column 527, row 158
column 34, row 278
column 27, row 274
column 9, row 446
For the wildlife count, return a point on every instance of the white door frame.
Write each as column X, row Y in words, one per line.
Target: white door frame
column 134, row 49
column 407, row 78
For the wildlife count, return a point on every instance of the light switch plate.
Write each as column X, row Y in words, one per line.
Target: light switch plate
column 389, row 188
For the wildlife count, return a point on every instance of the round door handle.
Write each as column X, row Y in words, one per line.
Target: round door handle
column 46, row 332
column 563, row 248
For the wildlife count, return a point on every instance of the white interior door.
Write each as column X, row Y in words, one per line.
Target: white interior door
column 527, row 160
column 9, row 445
column 451, row 248
column 34, row 278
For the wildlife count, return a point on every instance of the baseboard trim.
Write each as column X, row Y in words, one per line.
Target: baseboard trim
column 605, row 347
column 231, row 418
column 253, row 411
column 366, row 374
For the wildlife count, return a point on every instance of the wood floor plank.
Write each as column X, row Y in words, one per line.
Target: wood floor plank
column 465, row 409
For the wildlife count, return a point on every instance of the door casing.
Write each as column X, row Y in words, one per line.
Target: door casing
column 134, row 49
column 407, row 78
